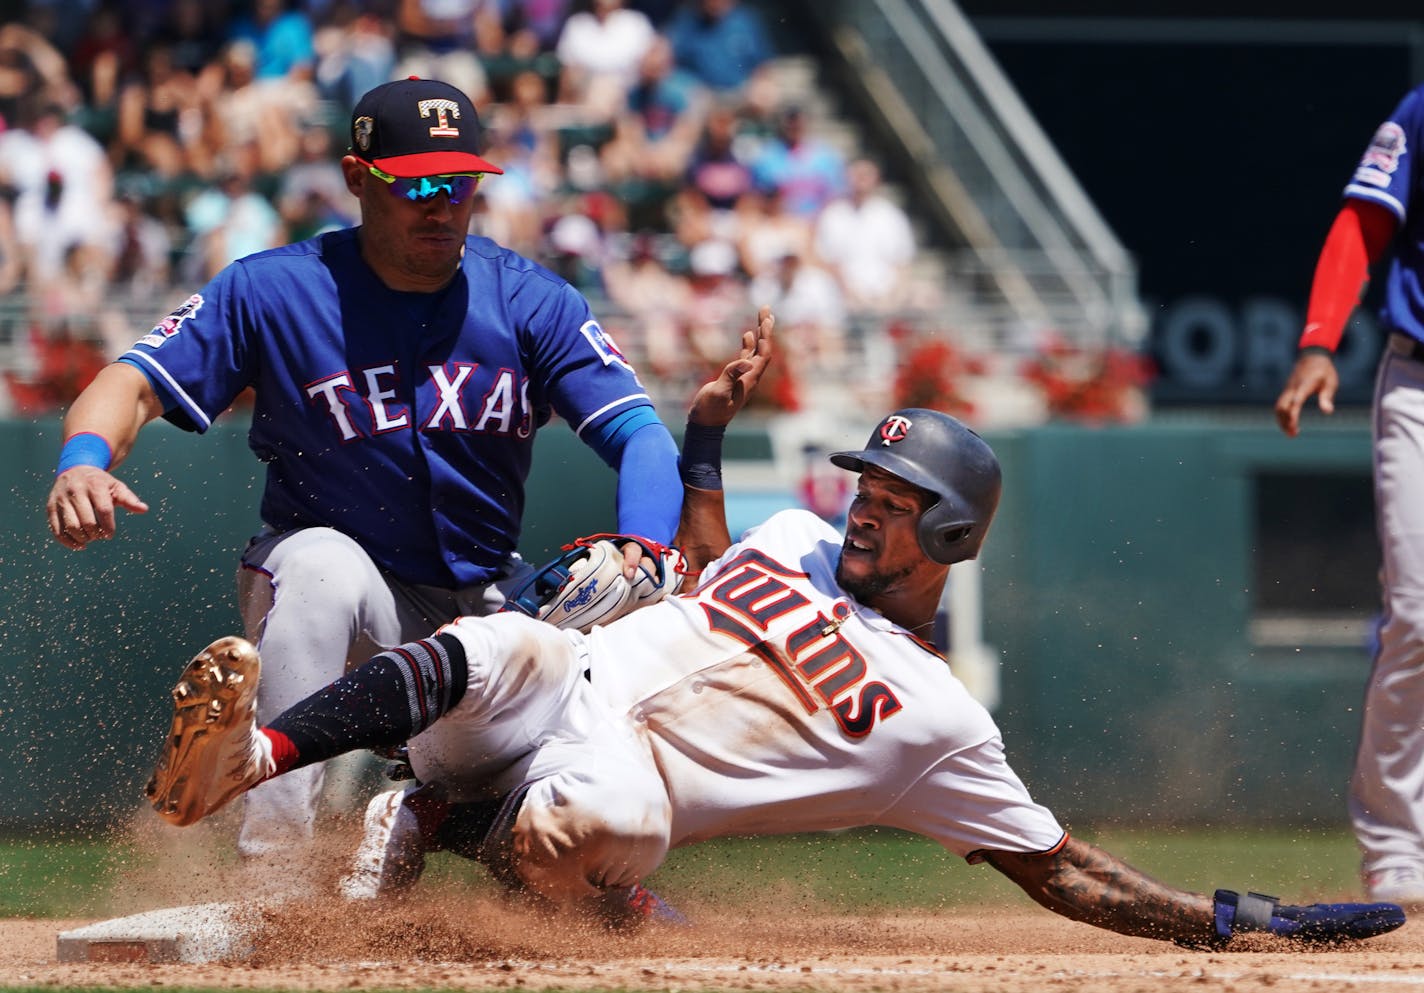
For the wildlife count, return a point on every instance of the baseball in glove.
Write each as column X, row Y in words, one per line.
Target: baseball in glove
column 585, row 585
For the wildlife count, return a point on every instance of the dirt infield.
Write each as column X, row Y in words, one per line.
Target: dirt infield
column 435, row 941
column 758, row 933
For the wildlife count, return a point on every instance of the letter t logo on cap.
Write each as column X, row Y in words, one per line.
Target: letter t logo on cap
column 443, row 111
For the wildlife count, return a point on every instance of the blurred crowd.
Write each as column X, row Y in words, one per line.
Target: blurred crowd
column 650, row 157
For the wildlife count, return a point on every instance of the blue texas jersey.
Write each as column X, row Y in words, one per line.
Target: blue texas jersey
column 1387, row 175
column 404, row 420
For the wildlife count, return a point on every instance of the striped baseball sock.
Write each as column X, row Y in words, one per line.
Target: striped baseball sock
column 387, row 701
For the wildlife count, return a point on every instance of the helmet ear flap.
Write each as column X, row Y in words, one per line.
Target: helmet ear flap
column 944, row 537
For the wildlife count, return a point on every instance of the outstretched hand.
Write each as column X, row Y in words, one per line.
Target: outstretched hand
column 1319, row 923
column 1314, row 375
column 719, row 400
column 82, row 504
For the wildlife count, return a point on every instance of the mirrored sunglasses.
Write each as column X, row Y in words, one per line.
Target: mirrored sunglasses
column 458, row 187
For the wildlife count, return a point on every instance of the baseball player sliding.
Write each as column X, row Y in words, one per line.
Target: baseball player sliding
column 400, row 371
column 789, row 689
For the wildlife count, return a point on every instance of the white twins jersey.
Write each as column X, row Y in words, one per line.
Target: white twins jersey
column 772, row 702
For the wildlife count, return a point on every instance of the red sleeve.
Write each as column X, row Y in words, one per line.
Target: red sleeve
column 1359, row 238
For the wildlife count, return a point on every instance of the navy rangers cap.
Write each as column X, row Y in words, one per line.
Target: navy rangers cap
column 418, row 127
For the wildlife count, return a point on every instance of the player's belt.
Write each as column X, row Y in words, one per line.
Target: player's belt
column 1402, row 344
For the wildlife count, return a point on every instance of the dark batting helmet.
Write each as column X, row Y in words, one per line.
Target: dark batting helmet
column 937, row 453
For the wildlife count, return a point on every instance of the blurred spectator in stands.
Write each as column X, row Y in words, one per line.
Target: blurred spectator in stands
column 143, row 19
column 313, row 196
column 692, row 220
column 807, row 170
column 141, row 269
column 228, row 221
column 31, row 69
column 767, row 233
column 759, row 107
column 195, row 31
column 529, row 123
column 61, row 22
column 64, row 191
column 11, row 267
column 656, row 134
column 867, row 241
column 722, row 42
column 523, row 139
column 307, row 214
column 717, row 173
column 654, row 298
column 76, row 294
column 657, row 11
column 255, row 119
column 521, row 29
column 512, row 211
column 159, row 117
column 281, row 39
column 810, row 314
column 103, row 56
column 717, row 295
column 585, row 234
column 600, row 48
column 18, row 81
column 355, row 52
column 436, row 40
column 576, row 251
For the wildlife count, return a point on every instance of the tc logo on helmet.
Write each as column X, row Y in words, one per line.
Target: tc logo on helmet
column 895, row 428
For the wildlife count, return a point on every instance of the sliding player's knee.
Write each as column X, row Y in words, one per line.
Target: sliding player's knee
column 568, row 847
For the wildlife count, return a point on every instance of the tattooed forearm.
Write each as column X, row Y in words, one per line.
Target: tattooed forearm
column 1090, row 885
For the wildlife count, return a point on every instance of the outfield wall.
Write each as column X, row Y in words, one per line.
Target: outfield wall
column 1155, row 595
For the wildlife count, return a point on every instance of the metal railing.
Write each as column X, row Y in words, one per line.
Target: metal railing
column 1034, row 244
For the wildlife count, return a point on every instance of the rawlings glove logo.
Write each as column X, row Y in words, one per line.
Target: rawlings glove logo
column 582, row 598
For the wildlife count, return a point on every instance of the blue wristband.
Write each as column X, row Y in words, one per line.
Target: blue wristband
column 701, row 464
column 85, row 448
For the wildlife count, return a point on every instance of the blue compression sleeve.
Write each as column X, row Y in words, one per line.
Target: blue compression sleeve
column 649, row 490
column 609, row 437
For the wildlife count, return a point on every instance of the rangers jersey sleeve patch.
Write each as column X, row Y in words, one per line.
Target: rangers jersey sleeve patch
column 604, row 345
column 173, row 323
